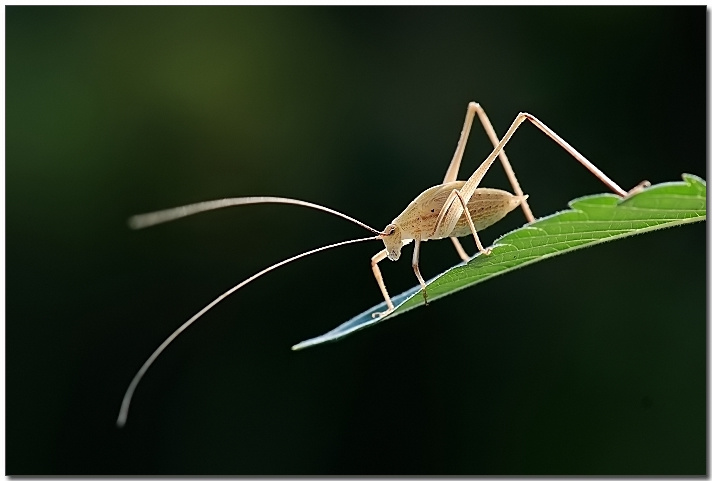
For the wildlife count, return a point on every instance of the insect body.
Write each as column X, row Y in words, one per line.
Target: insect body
column 420, row 221
column 452, row 209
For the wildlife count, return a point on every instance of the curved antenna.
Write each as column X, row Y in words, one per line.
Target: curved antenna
column 126, row 402
column 146, row 220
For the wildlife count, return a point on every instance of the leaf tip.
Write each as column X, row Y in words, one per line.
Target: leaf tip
column 694, row 180
column 307, row 343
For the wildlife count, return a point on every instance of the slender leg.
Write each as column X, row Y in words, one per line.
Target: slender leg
column 487, row 125
column 379, row 280
column 473, row 108
column 453, row 169
column 484, row 251
column 416, row 259
column 458, row 247
column 452, row 211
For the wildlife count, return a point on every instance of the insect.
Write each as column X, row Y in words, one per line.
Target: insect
column 452, row 209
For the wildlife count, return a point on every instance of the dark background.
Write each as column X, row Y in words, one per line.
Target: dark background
column 591, row 363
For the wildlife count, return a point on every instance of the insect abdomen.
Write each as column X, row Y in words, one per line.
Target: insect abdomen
column 486, row 206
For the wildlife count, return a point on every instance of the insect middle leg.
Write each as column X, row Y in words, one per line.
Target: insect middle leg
column 416, row 269
column 484, row 251
column 478, row 243
column 460, row 250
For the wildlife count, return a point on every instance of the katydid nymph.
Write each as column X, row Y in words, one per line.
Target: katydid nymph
column 452, row 209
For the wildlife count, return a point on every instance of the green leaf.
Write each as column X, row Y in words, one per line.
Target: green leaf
column 591, row 220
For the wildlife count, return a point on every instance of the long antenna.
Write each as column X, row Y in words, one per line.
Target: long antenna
column 146, row 220
column 126, row 402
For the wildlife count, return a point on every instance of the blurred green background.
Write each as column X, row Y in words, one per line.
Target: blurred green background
column 592, row 363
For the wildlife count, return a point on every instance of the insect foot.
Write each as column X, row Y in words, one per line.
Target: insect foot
column 378, row 315
column 637, row 189
column 425, row 295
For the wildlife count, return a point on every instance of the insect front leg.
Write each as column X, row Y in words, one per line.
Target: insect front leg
column 379, row 280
